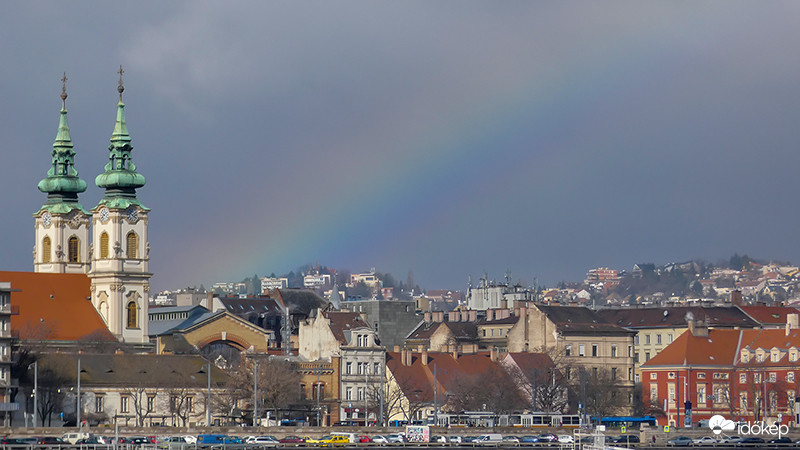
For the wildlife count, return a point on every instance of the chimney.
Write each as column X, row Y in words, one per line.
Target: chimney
column 698, row 328
column 438, row 316
column 464, row 315
column 404, row 357
column 397, row 349
column 473, row 315
column 489, row 315
column 504, row 303
column 455, row 351
column 452, row 316
column 427, row 317
column 493, row 354
column 736, row 298
column 424, row 357
column 791, row 322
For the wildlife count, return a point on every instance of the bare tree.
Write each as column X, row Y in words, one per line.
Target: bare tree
column 492, row 390
column 181, row 405
column 603, row 394
column 403, row 395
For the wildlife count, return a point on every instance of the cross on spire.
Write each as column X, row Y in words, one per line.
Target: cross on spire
column 64, row 90
column 120, row 88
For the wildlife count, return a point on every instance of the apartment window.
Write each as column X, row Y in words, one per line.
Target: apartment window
column 790, row 377
column 151, row 403
column 613, row 373
column 348, row 368
column 759, row 357
column 793, row 356
column 630, row 351
column 361, row 393
column 302, row 391
column 568, row 373
column 594, row 349
column 756, row 378
column 318, row 390
column 98, row 403
column 630, row 374
column 613, row 351
column 349, row 393
column 701, row 394
column 594, row 372
column 190, row 404
column 654, row 392
column 647, row 339
column 671, row 375
column 773, row 377
column 653, row 376
column 669, row 338
column 123, row 404
column 701, row 375
column 636, row 340
column 636, row 358
column 568, row 350
column 581, row 350
column 745, row 357
column 742, row 378
column 376, row 368
column 658, row 339
column 671, row 388
column 646, row 356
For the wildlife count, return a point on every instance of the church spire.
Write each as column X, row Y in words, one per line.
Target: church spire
column 62, row 184
column 120, row 179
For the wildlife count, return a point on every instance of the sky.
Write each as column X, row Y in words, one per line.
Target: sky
column 448, row 138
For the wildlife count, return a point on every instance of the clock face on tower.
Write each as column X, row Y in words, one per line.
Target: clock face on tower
column 133, row 214
column 46, row 218
column 104, row 215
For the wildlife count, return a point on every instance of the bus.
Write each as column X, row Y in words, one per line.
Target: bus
column 624, row 421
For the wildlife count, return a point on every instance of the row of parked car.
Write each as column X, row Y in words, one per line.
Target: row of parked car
column 754, row 441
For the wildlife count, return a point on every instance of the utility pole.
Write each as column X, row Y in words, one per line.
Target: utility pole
column 36, row 390
column 208, row 397
column 78, row 399
column 435, row 398
column 255, row 392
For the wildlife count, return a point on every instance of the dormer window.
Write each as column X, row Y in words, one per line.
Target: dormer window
column 745, row 356
column 775, row 356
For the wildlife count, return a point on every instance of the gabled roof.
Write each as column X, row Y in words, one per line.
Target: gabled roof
column 252, row 306
column 134, row 370
column 54, row 307
column 580, row 320
column 719, row 348
column 461, row 331
column 529, row 362
column 769, row 315
column 344, row 321
column 675, row 317
column 417, row 379
column 166, row 327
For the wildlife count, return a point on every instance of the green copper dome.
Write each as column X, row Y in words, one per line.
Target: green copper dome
column 62, row 184
column 120, row 179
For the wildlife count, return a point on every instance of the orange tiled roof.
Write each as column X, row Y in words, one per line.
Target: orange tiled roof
column 54, row 307
column 717, row 349
column 770, row 315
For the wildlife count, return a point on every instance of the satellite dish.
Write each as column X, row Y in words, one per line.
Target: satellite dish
column 666, row 313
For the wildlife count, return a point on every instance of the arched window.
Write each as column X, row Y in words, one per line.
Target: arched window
column 133, row 243
column 132, row 310
column 73, row 245
column 103, row 245
column 46, row 249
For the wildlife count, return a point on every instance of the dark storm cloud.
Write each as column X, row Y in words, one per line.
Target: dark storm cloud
column 576, row 134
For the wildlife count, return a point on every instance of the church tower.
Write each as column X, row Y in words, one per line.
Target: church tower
column 120, row 253
column 62, row 225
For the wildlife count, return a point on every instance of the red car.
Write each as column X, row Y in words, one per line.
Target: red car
column 364, row 439
column 292, row 440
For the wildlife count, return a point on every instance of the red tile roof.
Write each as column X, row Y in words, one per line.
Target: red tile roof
column 344, row 321
column 54, row 307
column 717, row 349
column 769, row 315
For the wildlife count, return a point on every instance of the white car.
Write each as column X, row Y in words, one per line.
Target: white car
column 513, row 439
column 566, row 439
column 378, row 439
column 190, row 439
column 454, row 439
column 395, row 439
column 269, row 441
column 705, row 440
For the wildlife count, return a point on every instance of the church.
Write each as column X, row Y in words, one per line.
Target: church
column 107, row 243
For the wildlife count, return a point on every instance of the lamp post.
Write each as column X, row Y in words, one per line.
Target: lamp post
column 35, row 390
column 78, row 399
column 255, row 393
column 208, row 397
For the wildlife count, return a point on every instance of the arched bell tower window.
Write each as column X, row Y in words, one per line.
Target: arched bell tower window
column 103, row 245
column 132, row 310
column 73, row 247
column 46, row 249
column 132, row 243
